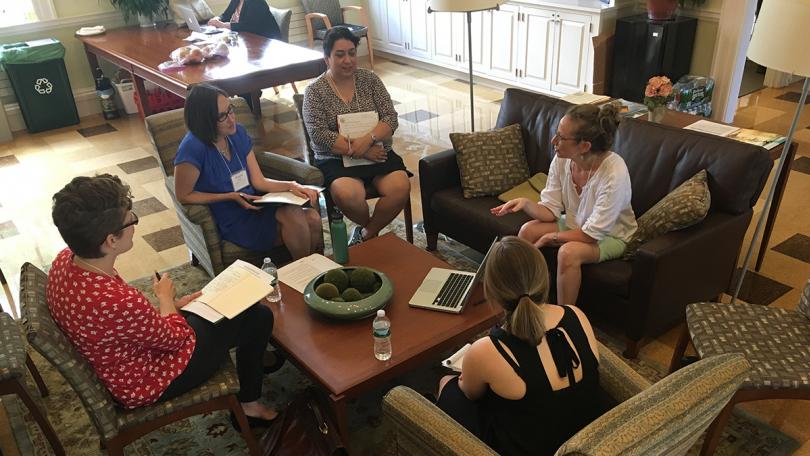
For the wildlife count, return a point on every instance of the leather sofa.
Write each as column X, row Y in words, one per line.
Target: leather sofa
column 645, row 296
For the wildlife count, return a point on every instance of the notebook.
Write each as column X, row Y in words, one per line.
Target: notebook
column 448, row 290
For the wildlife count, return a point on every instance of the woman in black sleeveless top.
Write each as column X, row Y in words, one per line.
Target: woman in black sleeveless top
column 530, row 386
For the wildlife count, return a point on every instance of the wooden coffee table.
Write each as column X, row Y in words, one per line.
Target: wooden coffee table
column 339, row 355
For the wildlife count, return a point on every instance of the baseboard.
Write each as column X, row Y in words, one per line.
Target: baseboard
column 87, row 104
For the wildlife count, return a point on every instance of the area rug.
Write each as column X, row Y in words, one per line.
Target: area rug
column 212, row 434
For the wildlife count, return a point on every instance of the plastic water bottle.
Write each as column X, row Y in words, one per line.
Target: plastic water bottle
column 382, row 336
column 270, row 268
column 340, row 240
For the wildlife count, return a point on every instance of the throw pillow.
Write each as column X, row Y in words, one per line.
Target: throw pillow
column 683, row 207
column 200, row 8
column 490, row 162
column 529, row 189
column 804, row 302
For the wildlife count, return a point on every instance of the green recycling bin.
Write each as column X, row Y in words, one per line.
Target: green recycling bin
column 37, row 73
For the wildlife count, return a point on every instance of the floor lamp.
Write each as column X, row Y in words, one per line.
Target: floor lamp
column 469, row 7
column 779, row 42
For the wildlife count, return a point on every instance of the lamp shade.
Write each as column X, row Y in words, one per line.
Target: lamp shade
column 462, row 6
column 780, row 41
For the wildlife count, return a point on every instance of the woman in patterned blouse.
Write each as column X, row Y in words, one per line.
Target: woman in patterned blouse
column 344, row 89
column 141, row 354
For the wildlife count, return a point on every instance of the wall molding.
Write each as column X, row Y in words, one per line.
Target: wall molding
column 107, row 18
column 86, row 103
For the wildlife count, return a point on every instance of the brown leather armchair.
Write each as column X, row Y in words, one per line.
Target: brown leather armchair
column 646, row 296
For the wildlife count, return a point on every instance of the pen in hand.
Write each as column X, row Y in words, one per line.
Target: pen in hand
column 157, row 276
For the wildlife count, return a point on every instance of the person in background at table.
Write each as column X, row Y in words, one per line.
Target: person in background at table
column 344, row 89
column 591, row 185
column 534, row 383
column 248, row 16
column 141, row 354
column 215, row 165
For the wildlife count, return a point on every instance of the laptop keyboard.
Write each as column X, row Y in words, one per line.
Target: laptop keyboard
column 453, row 289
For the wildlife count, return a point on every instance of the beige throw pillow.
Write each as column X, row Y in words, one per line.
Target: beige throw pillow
column 200, row 8
column 490, row 162
column 683, row 207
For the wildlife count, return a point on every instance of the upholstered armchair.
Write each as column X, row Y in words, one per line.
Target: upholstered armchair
column 325, row 14
column 665, row 418
column 214, row 254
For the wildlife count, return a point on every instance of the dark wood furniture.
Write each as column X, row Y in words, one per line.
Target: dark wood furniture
column 339, row 355
column 682, row 119
column 254, row 64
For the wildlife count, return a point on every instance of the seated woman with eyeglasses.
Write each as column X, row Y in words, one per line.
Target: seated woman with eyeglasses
column 534, row 383
column 215, row 165
column 585, row 207
column 141, row 354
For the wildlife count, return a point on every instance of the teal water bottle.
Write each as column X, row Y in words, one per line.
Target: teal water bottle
column 340, row 240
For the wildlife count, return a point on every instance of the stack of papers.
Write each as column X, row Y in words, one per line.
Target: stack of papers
column 712, row 128
column 235, row 289
column 457, row 359
column 758, row 138
column 300, row 272
column 585, row 98
column 284, row 197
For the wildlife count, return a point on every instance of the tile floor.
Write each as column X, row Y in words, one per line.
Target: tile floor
column 34, row 166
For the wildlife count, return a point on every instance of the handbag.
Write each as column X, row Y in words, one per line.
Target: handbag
column 305, row 427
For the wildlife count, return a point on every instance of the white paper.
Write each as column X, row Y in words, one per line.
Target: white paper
column 456, row 360
column 203, row 311
column 286, row 197
column 585, row 98
column 355, row 125
column 299, row 273
column 235, row 289
column 713, row 128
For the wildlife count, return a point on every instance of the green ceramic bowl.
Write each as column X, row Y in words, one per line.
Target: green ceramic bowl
column 353, row 310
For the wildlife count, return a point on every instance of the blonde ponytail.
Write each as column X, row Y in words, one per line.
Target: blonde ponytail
column 526, row 322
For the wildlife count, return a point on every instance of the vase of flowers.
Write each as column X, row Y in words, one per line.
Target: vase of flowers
column 656, row 95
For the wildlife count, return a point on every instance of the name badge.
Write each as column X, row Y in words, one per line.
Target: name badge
column 239, row 180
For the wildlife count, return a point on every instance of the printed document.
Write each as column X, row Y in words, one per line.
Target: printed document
column 713, row 128
column 300, row 272
column 285, row 197
column 235, row 289
column 355, row 125
column 457, row 359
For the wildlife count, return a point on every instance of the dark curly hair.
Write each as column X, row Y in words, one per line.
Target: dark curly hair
column 88, row 209
column 595, row 124
column 337, row 33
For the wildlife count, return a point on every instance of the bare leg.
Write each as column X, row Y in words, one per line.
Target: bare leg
column 294, row 229
column 534, row 229
column 570, row 258
column 313, row 218
column 257, row 410
column 349, row 195
column 393, row 189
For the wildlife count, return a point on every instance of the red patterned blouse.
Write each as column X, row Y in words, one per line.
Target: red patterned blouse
column 134, row 350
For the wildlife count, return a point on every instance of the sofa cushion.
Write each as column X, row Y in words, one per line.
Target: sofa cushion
column 683, row 207
column 474, row 213
column 490, row 162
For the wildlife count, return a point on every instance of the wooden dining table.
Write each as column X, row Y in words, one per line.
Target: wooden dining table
column 253, row 63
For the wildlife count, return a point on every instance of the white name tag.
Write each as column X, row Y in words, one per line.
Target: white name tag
column 239, row 180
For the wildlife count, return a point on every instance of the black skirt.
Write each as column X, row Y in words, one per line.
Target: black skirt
column 333, row 169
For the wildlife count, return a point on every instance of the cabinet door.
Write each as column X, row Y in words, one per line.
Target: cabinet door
column 502, row 35
column 571, row 52
column 480, row 43
column 418, row 36
column 536, row 43
column 378, row 16
column 444, row 38
column 395, row 41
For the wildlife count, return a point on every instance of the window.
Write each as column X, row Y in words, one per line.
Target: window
column 18, row 12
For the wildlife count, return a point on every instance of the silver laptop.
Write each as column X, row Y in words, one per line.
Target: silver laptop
column 448, row 290
column 190, row 18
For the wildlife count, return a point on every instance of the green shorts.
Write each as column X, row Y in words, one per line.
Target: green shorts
column 609, row 247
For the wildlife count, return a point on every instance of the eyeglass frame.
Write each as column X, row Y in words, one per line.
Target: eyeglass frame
column 223, row 116
column 128, row 224
column 563, row 138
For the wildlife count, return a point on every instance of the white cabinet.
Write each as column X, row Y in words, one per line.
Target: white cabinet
column 502, row 32
column 536, row 47
column 378, row 18
column 572, row 43
column 447, row 33
column 417, row 36
column 395, row 30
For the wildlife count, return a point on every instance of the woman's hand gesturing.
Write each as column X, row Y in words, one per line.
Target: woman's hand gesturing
column 509, row 207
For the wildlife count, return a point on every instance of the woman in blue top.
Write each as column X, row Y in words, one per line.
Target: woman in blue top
column 215, row 165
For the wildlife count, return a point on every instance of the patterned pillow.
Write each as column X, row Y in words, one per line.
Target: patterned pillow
column 683, row 207
column 490, row 162
column 804, row 303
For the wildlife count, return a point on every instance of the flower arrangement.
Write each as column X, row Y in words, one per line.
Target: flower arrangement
column 658, row 92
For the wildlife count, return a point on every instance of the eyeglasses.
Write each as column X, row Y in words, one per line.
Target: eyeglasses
column 223, row 116
column 133, row 222
column 557, row 135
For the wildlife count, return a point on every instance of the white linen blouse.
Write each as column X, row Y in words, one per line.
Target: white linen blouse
column 603, row 208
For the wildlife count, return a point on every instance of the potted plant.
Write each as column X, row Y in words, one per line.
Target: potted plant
column 145, row 10
column 656, row 96
column 664, row 10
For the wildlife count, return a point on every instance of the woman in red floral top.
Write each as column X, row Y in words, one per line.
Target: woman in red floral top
column 142, row 355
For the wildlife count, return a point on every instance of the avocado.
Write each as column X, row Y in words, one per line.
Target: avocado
column 363, row 279
column 351, row 294
column 327, row 291
column 338, row 278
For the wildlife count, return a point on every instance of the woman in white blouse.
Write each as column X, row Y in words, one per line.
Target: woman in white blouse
column 585, row 207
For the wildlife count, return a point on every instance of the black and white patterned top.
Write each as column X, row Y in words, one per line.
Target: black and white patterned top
column 322, row 106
